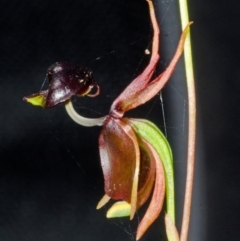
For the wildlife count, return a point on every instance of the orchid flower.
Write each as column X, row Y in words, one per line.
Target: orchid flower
column 65, row 80
column 136, row 158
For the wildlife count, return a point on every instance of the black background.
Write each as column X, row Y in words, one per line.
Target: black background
column 50, row 176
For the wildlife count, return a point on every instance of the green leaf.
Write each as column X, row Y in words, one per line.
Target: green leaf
column 148, row 131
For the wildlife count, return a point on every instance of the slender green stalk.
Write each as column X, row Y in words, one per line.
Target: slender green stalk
column 80, row 119
column 191, row 123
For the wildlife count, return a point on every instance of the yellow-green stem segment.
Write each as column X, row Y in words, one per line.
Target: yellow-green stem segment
column 191, row 123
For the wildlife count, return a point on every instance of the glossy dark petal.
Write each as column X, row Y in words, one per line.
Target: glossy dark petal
column 118, row 152
column 66, row 80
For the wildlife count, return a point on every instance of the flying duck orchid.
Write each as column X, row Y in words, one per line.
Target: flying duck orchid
column 136, row 158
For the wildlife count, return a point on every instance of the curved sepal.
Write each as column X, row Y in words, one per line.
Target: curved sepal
column 158, row 195
column 120, row 160
column 104, row 200
column 130, row 98
column 146, row 175
column 146, row 130
column 141, row 81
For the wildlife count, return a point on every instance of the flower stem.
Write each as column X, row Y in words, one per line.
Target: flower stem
column 191, row 124
column 80, row 119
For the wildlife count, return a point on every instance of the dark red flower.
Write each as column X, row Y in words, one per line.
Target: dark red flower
column 65, row 80
column 135, row 156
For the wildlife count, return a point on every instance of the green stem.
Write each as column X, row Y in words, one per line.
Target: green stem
column 82, row 120
column 191, row 123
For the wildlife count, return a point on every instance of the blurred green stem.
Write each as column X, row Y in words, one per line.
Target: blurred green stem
column 88, row 122
column 191, row 123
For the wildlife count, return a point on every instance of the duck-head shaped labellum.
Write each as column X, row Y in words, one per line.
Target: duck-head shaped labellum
column 65, row 80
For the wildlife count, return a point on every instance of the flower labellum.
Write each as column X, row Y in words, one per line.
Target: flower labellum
column 65, row 80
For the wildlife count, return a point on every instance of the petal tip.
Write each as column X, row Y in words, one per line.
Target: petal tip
column 36, row 100
column 103, row 201
column 119, row 209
